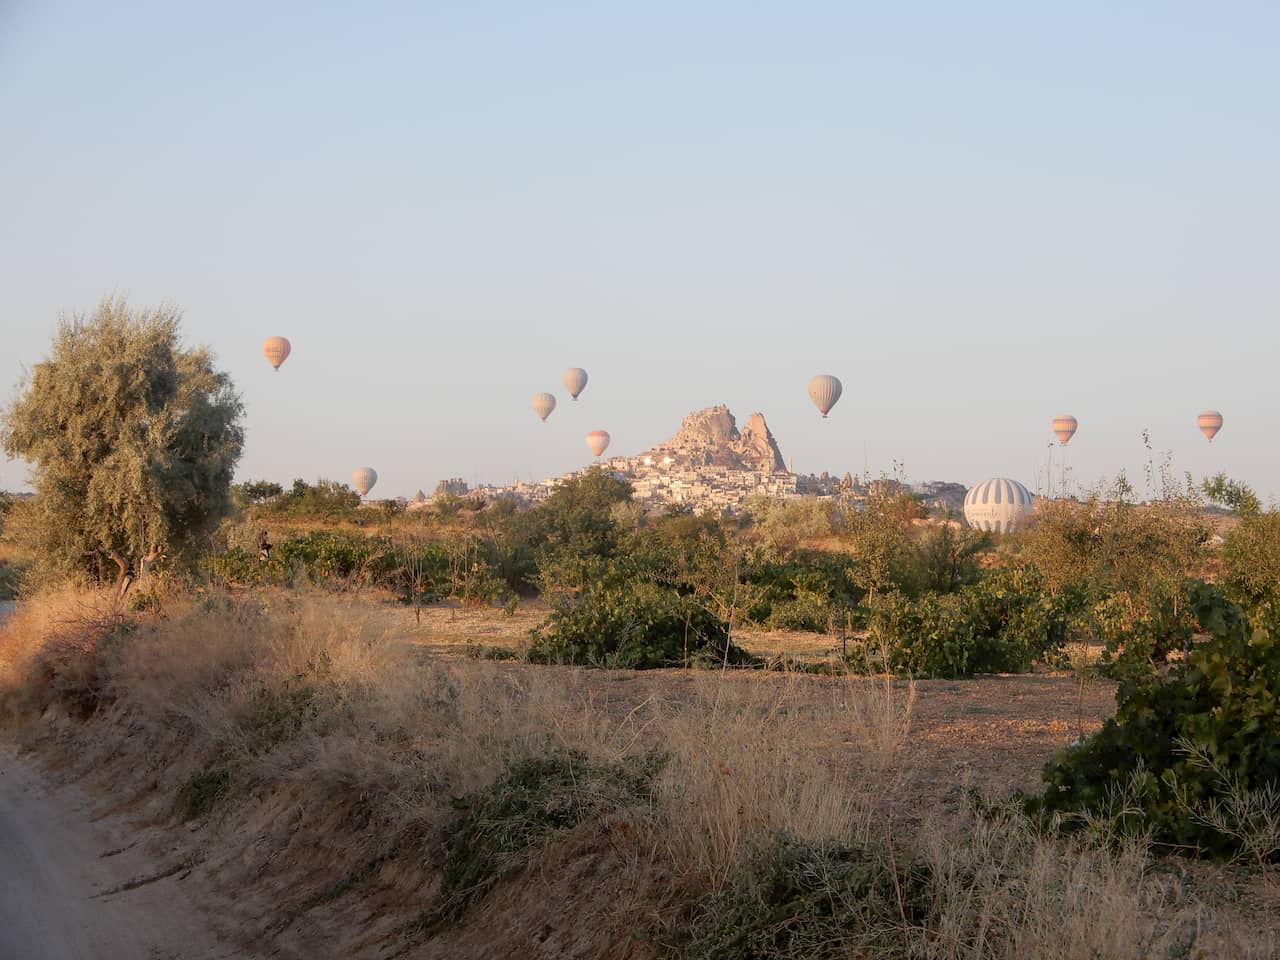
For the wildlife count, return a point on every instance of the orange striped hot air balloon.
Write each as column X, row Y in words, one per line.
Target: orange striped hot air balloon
column 598, row 441
column 1064, row 428
column 1209, row 422
column 276, row 350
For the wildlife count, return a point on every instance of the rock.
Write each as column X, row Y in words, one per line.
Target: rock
column 710, row 438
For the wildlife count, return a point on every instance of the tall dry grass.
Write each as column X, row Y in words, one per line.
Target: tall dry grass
column 340, row 747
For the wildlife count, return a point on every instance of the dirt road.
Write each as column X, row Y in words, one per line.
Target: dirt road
column 73, row 888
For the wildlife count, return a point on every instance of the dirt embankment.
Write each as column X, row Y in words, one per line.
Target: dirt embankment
column 76, row 886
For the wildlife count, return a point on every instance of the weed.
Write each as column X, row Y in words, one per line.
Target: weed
column 198, row 795
column 533, row 800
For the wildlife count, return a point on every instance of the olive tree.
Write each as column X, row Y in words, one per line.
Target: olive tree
column 132, row 441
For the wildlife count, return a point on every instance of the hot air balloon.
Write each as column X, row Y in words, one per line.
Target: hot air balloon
column 1064, row 428
column 276, row 350
column 575, row 380
column 824, row 391
column 363, row 479
column 1209, row 422
column 543, row 404
column 598, row 441
column 997, row 504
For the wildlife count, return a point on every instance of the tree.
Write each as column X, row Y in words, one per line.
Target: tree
column 133, row 441
column 257, row 491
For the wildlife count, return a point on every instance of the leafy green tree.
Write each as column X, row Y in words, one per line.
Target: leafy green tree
column 880, row 538
column 132, row 438
column 256, row 491
column 578, row 518
column 1232, row 494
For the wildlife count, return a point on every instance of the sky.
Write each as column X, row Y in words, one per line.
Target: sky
column 976, row 215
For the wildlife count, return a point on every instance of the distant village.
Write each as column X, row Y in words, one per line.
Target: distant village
column 709, row 465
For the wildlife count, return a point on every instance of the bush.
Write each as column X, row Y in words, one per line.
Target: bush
column 636, row 625
column 1002, row 624
column 1201, row 741
column 935, row 636
column 1251, row 567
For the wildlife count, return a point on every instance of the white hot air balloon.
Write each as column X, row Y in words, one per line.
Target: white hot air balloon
column 998, row 504
column 276, row 350
column 598, row 441
column 363, row 479
column 575, row 380
column 543, row 404
column 824, row 391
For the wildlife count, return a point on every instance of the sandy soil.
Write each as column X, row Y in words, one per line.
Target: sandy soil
column 72, row 886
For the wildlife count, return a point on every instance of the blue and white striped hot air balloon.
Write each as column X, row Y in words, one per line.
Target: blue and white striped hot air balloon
column 998, row 504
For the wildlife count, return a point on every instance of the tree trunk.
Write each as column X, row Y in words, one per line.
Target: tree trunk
column 123, row 579
column 149, row 561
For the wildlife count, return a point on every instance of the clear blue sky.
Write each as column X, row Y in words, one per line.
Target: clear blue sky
column 976, row 215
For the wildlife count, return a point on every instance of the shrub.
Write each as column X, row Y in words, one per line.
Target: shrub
column 1220, row 704
column 1002, row 624
column 934, row 636
column 633, row 624
column 1251, row 567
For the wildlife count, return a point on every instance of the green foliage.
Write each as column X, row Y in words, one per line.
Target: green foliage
column 792, row 900
column 1250, row 559
column 881, row 539
column 933, row 636
column 1233, row 494
column 633, row 624
column 536, row 799
column 1220, row 704
column 807, row 591
column 577, row 519
column 323, row 500
column 418, row 569
column 256, row 491
column 948, row 557
column 1139, row 634
column 1002, row 624
column 201, row 792
column 133, row 441
column 785, row 524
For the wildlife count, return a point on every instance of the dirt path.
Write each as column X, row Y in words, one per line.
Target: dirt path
column 67, row 882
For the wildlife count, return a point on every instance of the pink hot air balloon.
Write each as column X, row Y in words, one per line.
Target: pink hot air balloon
column 1064, row 428
column 1209, row 422
column 598, row 441
column 276, row 350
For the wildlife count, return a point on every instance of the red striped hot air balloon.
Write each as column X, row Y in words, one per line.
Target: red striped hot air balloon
column 1064, row 428
column 276, row 350
column 1209, row 422
column 598, row 441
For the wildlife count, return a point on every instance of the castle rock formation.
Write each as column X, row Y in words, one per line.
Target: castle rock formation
column 710, row 438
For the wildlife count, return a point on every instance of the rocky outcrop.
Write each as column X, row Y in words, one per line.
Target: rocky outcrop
column 710, row 438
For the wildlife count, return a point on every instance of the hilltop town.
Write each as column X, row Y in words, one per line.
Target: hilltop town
column 708, row 465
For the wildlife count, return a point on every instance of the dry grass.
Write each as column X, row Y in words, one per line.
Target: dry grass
column 343, row 741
